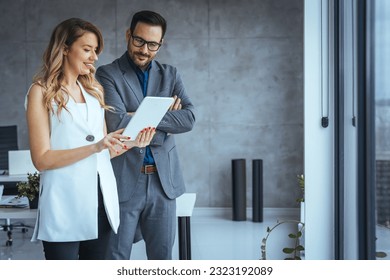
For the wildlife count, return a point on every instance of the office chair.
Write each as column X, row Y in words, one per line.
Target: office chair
column 9, row 142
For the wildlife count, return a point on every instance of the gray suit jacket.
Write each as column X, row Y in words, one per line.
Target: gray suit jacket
column 123, row 92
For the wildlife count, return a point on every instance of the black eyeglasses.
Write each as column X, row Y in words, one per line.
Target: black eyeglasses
column 139, row 42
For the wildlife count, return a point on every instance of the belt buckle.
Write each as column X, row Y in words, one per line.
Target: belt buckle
column 146, row 169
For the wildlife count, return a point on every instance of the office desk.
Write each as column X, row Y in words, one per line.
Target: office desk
column 184, row 208
column 13, row 178
column 18, row 213
column 15, row 213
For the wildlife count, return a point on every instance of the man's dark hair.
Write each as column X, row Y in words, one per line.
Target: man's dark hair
column 149, row 17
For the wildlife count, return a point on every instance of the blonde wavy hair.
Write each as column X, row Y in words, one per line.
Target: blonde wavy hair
column 51, row 75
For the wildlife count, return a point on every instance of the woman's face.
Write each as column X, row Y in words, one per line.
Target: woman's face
column 80, row 57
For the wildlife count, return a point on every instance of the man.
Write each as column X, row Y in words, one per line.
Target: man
column 148, row 179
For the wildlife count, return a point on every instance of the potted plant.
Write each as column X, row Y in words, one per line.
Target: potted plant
column 296, row 251
column 293, row 252
column 30, row 189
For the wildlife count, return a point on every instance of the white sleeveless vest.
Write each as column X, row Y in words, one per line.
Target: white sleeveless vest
column 68, row 200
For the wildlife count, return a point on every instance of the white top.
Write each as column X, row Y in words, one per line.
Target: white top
column 67, row 209
column 82, row 107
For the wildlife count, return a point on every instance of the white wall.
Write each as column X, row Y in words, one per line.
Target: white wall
column 319, row 149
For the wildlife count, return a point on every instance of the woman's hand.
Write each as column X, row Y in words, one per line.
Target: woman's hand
column 143, row 138
column 113, row 141
column 119, row 144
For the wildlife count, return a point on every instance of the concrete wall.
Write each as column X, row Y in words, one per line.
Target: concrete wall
column 242, row 64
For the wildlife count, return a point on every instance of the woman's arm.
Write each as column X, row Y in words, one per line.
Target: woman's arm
column 39, row 135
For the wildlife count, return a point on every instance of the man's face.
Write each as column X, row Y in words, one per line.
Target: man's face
column 142, row 55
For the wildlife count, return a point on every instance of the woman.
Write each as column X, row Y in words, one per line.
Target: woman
column 78, row 204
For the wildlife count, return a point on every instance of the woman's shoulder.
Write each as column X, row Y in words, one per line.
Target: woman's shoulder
column 35, row 92
column 35, row 89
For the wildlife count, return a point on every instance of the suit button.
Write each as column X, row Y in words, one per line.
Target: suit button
column 141, row 151
column 90, row 138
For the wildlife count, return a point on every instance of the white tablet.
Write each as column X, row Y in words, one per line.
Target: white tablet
column 149, row 114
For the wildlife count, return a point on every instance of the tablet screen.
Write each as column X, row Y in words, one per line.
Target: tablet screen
column 149, row 114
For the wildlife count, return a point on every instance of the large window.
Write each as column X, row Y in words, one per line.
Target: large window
column 347, row 65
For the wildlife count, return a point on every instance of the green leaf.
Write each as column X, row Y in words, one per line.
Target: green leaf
column 291, row 235
column 380, row 254
column 288, row 250
column 299, row 248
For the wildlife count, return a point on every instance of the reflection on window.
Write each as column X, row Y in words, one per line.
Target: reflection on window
column 382, row 124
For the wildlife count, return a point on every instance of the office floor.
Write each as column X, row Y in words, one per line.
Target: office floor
column 214, row 236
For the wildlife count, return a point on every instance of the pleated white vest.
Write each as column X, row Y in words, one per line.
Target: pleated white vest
column 68, row 200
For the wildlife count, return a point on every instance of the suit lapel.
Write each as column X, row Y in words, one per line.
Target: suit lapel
column 130, row 77
column 154, row 80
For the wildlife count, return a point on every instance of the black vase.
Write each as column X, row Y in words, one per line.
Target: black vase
column 33, row 203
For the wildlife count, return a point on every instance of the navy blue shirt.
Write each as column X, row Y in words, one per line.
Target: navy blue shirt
column 143, row 77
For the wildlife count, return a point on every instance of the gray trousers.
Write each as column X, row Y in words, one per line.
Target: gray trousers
column 156, row 215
